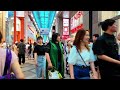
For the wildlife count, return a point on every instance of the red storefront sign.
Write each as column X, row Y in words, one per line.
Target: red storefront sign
column 65, row 30
column 77, row 22
column 64, row 37
column 78, row 14
column 77, row 28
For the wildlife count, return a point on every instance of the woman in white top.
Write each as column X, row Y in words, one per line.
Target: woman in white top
column 81, row 58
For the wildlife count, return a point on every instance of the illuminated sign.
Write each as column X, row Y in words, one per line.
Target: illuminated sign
column 76, row 21
column 44, row 31
column 65, row 26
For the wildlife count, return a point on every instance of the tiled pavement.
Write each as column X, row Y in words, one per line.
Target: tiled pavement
column 29, row 70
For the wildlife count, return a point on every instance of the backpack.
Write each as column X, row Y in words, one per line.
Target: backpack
column 6, row 73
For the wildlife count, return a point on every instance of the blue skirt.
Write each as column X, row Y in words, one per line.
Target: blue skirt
column 41, row 66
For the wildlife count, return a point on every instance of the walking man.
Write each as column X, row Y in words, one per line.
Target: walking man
column 21, row 51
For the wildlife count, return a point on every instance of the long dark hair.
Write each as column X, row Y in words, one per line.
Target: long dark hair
column 54, row 37
column 79, row 37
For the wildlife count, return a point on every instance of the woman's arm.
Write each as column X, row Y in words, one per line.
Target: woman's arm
column 35, row 58
column 72, row 59
column 15, row 50
column 15, row 67
column 47, row 51
column 94, row 72
column 48, row 59
column 71, row 71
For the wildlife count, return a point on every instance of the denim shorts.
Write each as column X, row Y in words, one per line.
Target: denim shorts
column 81, row 73
column 41, row 66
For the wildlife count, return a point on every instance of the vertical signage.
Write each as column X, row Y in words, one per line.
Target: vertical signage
column 71, row 23
column 65, row 26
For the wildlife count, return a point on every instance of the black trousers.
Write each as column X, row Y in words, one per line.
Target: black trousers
column 21, row 56
column 106, row 74
column 67, row 71
column 110, row 77
column 33, row 55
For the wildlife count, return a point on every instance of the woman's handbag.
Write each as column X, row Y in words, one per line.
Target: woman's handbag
column 54, row 74
column 91, row 74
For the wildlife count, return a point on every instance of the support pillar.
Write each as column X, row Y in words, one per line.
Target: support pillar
column 22, row 27
column 90, row 23
column 15, row 26
column 18, row 36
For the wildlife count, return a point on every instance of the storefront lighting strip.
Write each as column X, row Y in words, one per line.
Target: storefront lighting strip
column 57, row 12
column 54, row 19
column 36, row 19
column 33, row 20
column 53, row 16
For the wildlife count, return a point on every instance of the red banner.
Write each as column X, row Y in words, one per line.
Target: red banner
column 64, row 37
column 78, row 14
column 77, row 28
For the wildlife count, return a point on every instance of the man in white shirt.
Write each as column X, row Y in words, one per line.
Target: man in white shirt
column 27, row 45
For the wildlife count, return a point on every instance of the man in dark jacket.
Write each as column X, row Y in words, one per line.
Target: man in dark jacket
column 21, row 51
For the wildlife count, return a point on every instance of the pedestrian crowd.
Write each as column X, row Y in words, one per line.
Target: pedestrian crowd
column 83, row 58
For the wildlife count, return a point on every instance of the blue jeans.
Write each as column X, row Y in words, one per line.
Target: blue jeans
column 81, row 73
column 41, row 66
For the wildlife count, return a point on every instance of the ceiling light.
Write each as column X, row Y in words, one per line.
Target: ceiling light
column 57, row 12
column 31, row 15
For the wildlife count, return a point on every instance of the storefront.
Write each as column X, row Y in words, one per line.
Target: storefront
column 31, row 33
column 18, row 29
column 76, row 23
